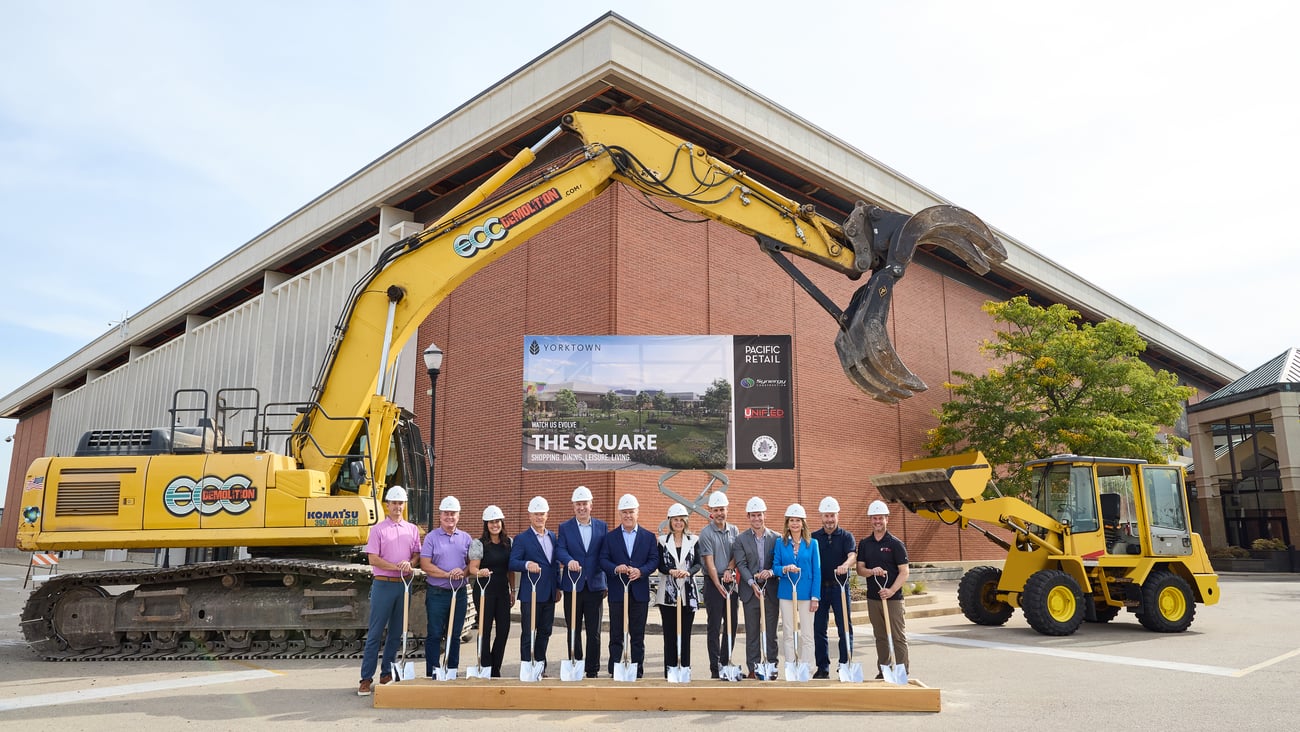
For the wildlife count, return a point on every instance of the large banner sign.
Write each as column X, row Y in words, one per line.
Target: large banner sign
column 657, row 403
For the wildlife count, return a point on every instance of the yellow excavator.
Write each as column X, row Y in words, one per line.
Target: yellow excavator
column 303, row 496
column 1097, row 536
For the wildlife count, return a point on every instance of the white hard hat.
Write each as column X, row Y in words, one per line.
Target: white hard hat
column 795, row 511
column 718, row 500
column 877, row 508
column 538, row 505
column 449, row 503
column 396, row 493
column 492, row 513
column 581, row 493
column 755, row 505
column 829, row 505
column 628, row 501
column 677, row 509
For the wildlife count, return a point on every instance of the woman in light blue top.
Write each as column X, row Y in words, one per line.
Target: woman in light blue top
column 797, row 564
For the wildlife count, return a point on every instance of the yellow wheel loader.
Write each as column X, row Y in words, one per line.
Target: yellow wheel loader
column 1095, row 536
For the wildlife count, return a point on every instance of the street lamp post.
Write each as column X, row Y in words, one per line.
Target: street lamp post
column 433, row 364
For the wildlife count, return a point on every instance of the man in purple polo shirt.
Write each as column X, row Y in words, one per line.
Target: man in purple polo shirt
column 393, row 545
column 445, row 560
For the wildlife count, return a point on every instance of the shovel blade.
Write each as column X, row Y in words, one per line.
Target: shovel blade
column 530, row 671
column 766, row 671
column 851, row 673
column 444, row 674
column 624, row 671
column 403, row 671
column 894, row 674
column 478, row 672
column 796, row 671
column 571, row 670
column 679, row 674
column 730, row 673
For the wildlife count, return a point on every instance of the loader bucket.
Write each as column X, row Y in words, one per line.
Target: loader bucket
column 889, row 240
column 936, row 484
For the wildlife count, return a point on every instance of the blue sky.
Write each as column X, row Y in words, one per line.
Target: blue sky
column 1149, row 147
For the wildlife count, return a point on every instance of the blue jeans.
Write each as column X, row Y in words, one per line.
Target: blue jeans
column 386, row 603
column 437, row 604
column 831, row 601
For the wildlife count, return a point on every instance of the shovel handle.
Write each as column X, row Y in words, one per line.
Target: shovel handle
column 889, row 635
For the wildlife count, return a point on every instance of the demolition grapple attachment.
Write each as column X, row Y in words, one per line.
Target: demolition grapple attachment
column 884, row 242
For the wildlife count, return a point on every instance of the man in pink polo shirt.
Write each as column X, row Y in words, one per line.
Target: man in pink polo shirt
column 393, row 545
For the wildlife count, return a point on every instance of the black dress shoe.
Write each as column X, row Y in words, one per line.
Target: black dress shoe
column 822, row 674
column 714, row 675
column 592, row 674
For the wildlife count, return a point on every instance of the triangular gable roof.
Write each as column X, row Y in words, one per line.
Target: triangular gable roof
column 1282, row 369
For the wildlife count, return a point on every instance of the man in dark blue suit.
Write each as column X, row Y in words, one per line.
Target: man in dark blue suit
column 630, row 554
column 581, row 538
column 533, row 555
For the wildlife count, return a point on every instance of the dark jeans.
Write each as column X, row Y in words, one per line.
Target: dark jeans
column 719, row 647
column 545, row 619
column 437, row 603
column 590, row 605
column 386, row 604
column 636, row 617
column 832, row 601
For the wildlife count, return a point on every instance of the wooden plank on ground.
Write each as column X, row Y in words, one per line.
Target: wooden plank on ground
column 657, row 694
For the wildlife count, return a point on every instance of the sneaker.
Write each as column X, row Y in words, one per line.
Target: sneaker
column 385, row 679
column 364, row 689
column 822, row 674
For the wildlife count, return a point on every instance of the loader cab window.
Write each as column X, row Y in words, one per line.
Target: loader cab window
column 1165, row 498
column 1066, row 493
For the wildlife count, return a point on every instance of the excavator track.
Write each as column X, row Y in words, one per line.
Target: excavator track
column 255, row 608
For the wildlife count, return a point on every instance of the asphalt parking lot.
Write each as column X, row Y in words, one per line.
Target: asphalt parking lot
column 1238, row 666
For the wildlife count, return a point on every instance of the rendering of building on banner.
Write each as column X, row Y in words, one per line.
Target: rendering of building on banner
column 657, row 403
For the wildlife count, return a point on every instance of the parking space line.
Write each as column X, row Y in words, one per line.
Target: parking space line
column 68, row 697
column 1194, row 668
column 1269, row 662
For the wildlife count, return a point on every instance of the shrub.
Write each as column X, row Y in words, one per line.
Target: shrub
column 1260, row 545
column 1229, row 552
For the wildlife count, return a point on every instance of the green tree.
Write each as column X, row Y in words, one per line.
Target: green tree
column 531, row 405
column 662, row 402
column 717, row 398
column 1061, row 386
column 566, row 403
column 609, row 401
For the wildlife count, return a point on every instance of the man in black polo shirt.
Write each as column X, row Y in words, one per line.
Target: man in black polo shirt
column 838, row 556
column 882, row 559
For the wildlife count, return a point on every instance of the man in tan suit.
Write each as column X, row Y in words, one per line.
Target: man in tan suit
column 753, row 554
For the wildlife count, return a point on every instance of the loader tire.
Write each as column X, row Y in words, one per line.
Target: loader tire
column 978, row 597
column 1167, row 603
column 1053, row 602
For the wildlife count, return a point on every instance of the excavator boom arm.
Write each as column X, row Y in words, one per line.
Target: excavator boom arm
column 413, row 276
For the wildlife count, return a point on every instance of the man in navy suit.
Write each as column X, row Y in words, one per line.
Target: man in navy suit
column 533, row 555
column 630, row 554
column 581, row 538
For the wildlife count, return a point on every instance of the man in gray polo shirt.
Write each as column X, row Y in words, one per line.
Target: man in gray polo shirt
column 716, row 539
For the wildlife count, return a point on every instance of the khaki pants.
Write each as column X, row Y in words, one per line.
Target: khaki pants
column 897, row 628
column 805, row 639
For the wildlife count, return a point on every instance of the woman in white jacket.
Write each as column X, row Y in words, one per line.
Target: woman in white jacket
column 678, row 562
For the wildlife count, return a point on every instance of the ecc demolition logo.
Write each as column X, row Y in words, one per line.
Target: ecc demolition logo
column 209, row 495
